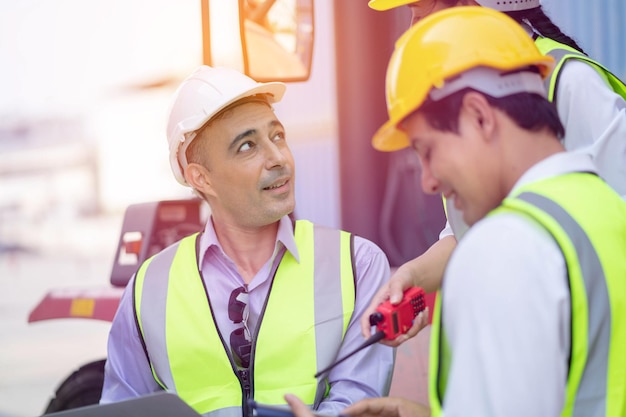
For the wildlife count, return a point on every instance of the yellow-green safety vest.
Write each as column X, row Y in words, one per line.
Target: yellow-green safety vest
column 588, row 221
column 300, row 329
column 561, row 54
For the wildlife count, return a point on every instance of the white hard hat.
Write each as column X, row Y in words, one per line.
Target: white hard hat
column 200, row 97
column 500, row 5
column 509, row 5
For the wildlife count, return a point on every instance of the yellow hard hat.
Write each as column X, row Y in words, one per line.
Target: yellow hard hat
column 388, row 4
column 447, row 44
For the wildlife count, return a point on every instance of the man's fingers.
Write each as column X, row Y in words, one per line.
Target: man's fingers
column 298, row 408
column 379, row 297
column 421, row 321
column 366, row 408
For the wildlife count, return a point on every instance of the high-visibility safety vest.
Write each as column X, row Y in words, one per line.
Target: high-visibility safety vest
column 561, row 54
column 300, row 329
column 590, row 228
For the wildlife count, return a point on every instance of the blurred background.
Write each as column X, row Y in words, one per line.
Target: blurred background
column 84, row 90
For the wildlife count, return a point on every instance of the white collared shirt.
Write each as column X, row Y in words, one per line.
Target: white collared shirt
column 506, row 311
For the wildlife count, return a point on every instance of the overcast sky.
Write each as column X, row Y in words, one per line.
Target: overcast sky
column 59, row 55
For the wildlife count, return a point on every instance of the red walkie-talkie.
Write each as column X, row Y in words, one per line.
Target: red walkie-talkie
column 391, row 320
column 395, row 320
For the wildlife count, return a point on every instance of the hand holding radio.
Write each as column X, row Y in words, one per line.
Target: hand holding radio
column 394, row 320
column 390, row 320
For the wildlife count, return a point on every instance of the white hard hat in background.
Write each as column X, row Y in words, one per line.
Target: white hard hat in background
column 509, row 5
column 500, row 5
column 200, row 97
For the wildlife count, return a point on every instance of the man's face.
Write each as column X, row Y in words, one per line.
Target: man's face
column 461, row 166
column 250, row 168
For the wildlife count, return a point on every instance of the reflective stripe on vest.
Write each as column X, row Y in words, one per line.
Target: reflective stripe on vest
column 561, row 53
column 176, row 322
column 591, row 233
column 437, row 378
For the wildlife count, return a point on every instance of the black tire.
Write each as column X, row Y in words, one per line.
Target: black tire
column 83, row 387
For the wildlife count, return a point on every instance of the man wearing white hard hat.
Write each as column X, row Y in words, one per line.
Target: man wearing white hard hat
column 591, row 103
column 255, row 305
column 530, row 315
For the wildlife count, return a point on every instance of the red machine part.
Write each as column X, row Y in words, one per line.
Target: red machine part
column 90, row 303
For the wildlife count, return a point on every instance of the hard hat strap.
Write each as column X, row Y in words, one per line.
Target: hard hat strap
column 182, row 149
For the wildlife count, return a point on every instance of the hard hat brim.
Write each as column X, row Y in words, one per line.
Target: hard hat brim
column 273, row 90
column 389, row 138
column 382, row 5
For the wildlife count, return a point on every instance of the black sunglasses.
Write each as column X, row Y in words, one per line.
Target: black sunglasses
column 240, row 338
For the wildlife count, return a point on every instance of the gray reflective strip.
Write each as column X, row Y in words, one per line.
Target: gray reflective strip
column 558, row 54
column 328, row 300
column 154, row 329
column 593, row 383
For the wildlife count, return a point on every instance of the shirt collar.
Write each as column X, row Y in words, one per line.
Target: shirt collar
column 284, row 237
column 557, row 164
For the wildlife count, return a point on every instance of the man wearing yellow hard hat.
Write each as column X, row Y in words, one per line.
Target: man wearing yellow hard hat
column 591, row 103
column 529, row 321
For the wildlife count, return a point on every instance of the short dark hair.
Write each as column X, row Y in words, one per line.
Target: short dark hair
column 529, row 111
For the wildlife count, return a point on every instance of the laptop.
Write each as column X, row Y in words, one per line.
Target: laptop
column 161, row 404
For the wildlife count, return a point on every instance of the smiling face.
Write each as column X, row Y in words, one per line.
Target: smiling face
column 247, row 173
column 462, row 166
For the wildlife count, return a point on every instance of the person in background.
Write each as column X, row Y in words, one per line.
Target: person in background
column 259, row 301
column 591, row 104
column 529, row 321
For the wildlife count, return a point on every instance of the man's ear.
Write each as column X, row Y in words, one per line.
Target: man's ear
column 480, row 112
column 197, row 177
